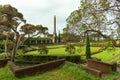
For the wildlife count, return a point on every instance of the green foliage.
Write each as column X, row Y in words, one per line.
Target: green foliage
column 70, row 48
column 74, row 17
column 2, row 56
column 88, row 51
column 25, row 49
column 2, row 45
column 1, row 50
column 42, row 49
column 45, row 58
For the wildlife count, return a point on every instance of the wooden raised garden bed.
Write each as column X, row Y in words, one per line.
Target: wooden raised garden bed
column 38, row 68
column 98, row 68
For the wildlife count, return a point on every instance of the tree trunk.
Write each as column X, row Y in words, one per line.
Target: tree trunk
column 15, row 47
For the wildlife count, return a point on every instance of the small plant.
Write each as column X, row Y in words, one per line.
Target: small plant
column 70, row 48
column 43, row 49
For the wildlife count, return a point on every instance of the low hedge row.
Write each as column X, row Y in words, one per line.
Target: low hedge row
column 45, row 58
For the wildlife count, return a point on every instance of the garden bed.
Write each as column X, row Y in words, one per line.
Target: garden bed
column 38, row 68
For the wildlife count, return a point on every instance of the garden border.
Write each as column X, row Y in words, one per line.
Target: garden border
column 38, row 68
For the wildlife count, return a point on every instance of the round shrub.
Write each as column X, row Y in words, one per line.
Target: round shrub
column 70, row 48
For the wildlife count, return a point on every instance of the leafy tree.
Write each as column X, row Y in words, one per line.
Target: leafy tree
column 28, row 29
column 88, row 51
column 69, row 36
column 42, row 30
column 99, row 16
column 10, row 18
column 70, row 48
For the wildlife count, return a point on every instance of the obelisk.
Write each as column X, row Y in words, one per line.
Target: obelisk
column 54, row 24
column 54, row 33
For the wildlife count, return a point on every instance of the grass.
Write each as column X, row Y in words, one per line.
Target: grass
column 107, row 54
column 60, row 49
column 68, row 71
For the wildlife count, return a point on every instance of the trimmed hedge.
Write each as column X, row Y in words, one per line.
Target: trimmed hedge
column 45, row 58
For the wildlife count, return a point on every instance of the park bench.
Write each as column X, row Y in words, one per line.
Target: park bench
column 38, row 68
column 99, row 68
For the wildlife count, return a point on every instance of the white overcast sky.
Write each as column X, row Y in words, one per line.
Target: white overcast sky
column 42, row 11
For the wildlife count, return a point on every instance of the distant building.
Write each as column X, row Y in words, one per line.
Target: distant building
column 51, row 38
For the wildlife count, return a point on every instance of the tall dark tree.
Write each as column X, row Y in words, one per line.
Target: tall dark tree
column 59, row 38
column 88, row 51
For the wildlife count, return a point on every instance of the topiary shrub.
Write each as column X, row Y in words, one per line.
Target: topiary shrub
column 70, row 48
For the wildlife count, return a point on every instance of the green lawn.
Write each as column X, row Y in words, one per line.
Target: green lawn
column 68, row 71
column 60, row 49
column 108, row 54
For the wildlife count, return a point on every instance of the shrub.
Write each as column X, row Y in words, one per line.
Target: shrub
column 45, row 58
column 25, row 48
column 1, row 50
column 2, row 44
column 10, row 45
column 43, row 49
column 70, row 48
